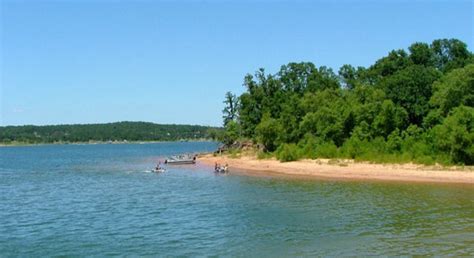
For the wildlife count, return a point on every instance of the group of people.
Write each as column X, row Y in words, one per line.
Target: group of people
column 220, row 169
column 158, row 166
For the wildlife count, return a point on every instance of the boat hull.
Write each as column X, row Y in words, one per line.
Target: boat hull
column 180, row 162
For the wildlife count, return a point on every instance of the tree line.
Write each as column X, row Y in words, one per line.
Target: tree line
column 120, row 131
column 410, row 105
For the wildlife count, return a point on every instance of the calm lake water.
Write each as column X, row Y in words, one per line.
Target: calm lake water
column 87, row 200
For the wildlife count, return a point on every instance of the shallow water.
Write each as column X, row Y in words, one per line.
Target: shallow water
column 80, row 200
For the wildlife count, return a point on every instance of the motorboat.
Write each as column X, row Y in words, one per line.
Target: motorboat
column 181, row 160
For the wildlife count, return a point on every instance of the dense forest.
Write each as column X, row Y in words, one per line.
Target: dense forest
column 413, row 105
column 121, row 131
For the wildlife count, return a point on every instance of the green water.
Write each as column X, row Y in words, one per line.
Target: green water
column 99, row 200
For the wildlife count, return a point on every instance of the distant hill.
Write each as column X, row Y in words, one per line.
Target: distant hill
column 120, row 131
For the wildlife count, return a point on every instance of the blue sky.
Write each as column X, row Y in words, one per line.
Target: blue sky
column 172, row 61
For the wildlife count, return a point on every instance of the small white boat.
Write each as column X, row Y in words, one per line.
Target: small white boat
column 159, row 170
column 181, row 160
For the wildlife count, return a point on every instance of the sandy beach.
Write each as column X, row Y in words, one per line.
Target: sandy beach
column 343, row 169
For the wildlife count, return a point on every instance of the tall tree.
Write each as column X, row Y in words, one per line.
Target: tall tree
column 421, row 54
column 230, row 109
column 295, row 76
column 348, row 74
column 411, row 89
column 450, row 54
column 454, row 89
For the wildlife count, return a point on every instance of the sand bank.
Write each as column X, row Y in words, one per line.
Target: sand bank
column 344, row 169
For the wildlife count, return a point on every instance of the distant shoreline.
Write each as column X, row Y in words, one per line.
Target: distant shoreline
column 115, row 133
column 97, row 143
column 343, row 170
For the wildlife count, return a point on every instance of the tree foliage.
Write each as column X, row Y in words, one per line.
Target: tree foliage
column 455, row 135
column 230, row 110
column 454, row 89
column 269, row 132
column 121, row 131
column 411, row 105
column 410, row 88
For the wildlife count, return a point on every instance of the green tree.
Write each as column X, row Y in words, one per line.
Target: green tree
column 454, row 89
column 230, row 109
column 295, row 77
column 456, row 135
column 348, row 75
column 391, row 117
column 422, row 54
column 326, row 113
column 268, row 132
column 388, row 111
column 396, row 60
column 411, row 89
column 450, row 54
column 250, row 108
column 232, row 133
column 290, row 114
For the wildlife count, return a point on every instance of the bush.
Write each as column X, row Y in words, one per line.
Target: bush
column 268, row 132
column 264, row 155
column 455, row 136
column 234, row 153
column 308, row 146
column 231, row 133
column 353, row 147
column 327, row 150
column 288, row 152
column 394, row 142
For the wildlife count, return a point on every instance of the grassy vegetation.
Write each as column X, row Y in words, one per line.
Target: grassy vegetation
column 377, row 150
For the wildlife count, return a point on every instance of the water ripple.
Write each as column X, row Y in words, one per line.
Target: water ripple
column 96, row 200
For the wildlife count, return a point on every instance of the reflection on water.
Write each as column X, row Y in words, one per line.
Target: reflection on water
column 97, row 200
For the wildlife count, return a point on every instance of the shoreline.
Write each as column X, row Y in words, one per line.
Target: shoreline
column 343, row 170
